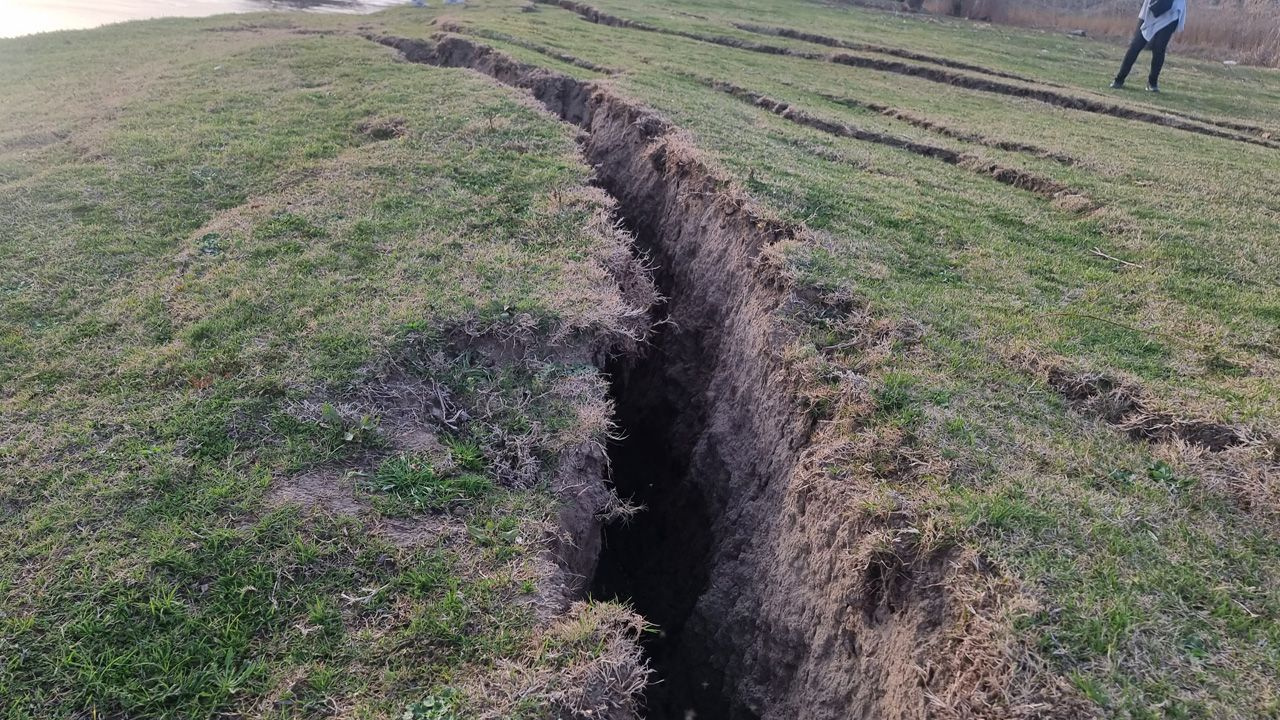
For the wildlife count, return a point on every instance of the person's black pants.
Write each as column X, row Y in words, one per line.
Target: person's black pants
column 1159, row 42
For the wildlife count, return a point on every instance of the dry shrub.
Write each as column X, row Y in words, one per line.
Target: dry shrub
column 1249, row 35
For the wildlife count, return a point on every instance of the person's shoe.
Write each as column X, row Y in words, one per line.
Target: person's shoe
column 1153, row 88
column 1117, row 84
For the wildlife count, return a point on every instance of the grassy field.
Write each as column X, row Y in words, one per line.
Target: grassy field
column 239, row 268
column 294, row 336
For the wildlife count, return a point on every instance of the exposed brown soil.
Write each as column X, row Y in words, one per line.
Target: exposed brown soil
column 1125, row 406
column 1200, row 125
column 329, row 489
column 945, row 131
column 777, row 597
column 1010, row 176
column 420, row 531
column 878, row 49
column 576, row 542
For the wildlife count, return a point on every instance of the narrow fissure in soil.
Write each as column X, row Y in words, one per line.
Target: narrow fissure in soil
column 659, row 562
column 721, row 560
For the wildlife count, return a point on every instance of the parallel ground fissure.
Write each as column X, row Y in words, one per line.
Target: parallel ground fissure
column 944, row 62
column 950, row 132
column 878, row 49
column 1037, row 91
column 1015, row 177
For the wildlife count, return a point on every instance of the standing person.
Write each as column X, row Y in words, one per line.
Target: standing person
column 1157, row 22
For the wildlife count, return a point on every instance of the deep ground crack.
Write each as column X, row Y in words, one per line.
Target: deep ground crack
column 709, row 383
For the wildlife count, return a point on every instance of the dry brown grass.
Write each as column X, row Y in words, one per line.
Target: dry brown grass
column 587, row 664
column 1248, row 33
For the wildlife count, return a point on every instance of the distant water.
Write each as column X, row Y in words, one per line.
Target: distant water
column 23, row 17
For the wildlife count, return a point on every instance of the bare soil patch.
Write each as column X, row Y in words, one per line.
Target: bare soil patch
column 383, row 128
column 946, row 131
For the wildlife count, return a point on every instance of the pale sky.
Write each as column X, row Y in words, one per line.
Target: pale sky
column 23, row 17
